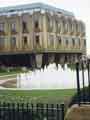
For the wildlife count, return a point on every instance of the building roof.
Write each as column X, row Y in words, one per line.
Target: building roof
column 28, row 7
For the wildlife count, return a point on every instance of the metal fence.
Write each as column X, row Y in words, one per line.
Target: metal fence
column 83, row 93
column 22, row 111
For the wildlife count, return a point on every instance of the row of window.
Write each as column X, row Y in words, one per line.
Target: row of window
column 24, row 41
column 65, row 25
column 67, row 41
column 37, row 41
column 13, row 27
column 61, row 24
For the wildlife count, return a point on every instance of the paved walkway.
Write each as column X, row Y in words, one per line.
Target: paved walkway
column 3, row 81
column 7, row 78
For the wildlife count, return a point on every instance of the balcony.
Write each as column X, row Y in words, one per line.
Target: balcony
column 83, row 34
column 78, row 33
column 13, row 32
column 25, row 31
column 37, row 30
column 2, row 33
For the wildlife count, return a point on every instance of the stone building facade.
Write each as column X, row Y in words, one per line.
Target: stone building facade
column 40, row 29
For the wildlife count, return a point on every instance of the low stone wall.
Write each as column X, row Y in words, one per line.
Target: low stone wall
column 78, row 113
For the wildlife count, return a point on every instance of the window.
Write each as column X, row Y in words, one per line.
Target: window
column 50, row 23
column 77, row 27
column 66, row 26
column 1, row 27
column 36, row 24
column 13, row 42
column 2, row 39
column 25, row 42
column 37, row 40
column 24, row 27
column 59, row 27
column 13, row 27
column 82, row 28
column 79, row 42
column 51, row 40
column 74, row 27
column 59, row 40
column 84, row 42
column 67, row 42
column 73, row 41
column 25, row 21
column 70, row 25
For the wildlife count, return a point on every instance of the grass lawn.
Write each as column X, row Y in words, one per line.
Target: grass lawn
column 9, row 71
column 37, row 96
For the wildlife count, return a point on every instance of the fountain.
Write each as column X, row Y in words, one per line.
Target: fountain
column 49, row 78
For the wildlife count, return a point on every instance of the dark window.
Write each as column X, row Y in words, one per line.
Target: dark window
column 13, row 41
column 64, row 24
column 24, row 26
column 70, row 25
column 36, row 24
column 13, row 27
column 67, row 42
column 59, row 40
column 84, row 42
column 57, row 27
column 1, row 27
column 73, row 41
column 79, row 42
column 2, row 42
column 51, row 40
column 50, row 23
column 37, row 39
column 77, row 27
column 25, row 40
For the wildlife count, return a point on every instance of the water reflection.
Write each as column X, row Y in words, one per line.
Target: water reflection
column 50, row 78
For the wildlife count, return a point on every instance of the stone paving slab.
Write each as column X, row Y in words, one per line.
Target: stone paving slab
column 78, row 113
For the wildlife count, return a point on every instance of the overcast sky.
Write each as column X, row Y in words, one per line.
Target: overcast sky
column 80, row 8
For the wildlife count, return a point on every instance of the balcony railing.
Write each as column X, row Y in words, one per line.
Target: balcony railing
column 2, row 33
column 14, row 32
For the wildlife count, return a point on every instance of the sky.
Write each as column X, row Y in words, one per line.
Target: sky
column 80, row 8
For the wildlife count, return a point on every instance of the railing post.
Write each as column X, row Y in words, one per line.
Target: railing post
column 13, row 111
column 18, row 110
column 88, row 67
column 83, row 80
column 22, row 110
column 37, row 111
column 52, row 111
column 58, row 112
column 62, row 111
column 32, row 111
column 0, row 109
column 8, row 110
column 78, row 82
column 4, row 110
column 47, row 111
column 42, row 111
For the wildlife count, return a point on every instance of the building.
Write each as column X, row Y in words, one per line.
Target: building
column 30, row 33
